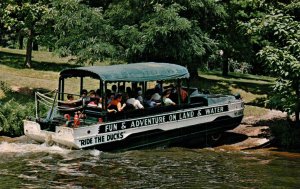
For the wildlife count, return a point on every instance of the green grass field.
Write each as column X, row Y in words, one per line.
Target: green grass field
column 46, row 66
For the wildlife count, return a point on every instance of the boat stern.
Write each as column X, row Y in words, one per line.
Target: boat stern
column 65, row 136
column 33, row 130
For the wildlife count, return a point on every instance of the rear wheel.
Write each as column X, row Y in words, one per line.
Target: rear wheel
column 213, row 139
column 216, row 137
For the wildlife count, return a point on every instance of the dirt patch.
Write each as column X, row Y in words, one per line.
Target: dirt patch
column 22, row 90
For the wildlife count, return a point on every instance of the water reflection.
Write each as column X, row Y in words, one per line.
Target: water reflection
column 26, row 165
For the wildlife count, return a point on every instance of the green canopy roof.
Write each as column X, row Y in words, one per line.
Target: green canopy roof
column 149, row 71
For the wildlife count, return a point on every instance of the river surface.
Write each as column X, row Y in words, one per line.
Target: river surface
column 26, row 165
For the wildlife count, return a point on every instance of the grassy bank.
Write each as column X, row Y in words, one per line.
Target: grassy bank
column 46, row 66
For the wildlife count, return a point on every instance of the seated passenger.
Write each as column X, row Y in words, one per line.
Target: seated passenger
column 83, row 93
column 156, row 96
column 83, row 96
column 92, row 93
column 150, row 103
column 115, row 104
column 98, row 96
column 94, row 101
column 69, row 103
column 140, row 97
column 173, row 95
column 166, row 100
column 70, row 98
column 134, row 102
column 114, row 89
column 183, row 95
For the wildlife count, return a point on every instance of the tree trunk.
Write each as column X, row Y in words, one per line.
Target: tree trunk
column 29, row 49
column 21, row 43
column 35, row 46
column 193, row 70
column 224, row 67
column 297, row 104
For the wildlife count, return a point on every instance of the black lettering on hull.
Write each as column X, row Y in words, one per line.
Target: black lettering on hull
column 151, row 121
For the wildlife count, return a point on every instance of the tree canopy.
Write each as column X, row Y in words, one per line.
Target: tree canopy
column 25, row 17
column 280, row 33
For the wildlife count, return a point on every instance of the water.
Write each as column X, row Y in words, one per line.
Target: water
column 25, row 165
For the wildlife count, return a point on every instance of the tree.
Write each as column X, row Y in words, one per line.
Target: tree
column 132, row 30
column 82, row 32
column 171, row 31
column 25, row 17
column 237, row 46
column 281, row 34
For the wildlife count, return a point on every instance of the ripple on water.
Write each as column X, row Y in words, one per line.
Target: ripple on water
column 55, row 167
column 22, row 148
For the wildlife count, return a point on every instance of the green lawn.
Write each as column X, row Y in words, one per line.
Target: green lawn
column 46, row 66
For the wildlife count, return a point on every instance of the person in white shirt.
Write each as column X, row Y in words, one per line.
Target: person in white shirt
column 166, row 100
column 134, row 102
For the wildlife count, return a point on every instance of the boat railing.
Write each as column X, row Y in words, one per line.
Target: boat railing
column 52, row 104
column 42, row 101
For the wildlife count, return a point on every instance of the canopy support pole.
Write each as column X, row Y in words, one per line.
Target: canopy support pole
column 62, row 88
column 188, row 90
column 59, row 89
column 81, row 84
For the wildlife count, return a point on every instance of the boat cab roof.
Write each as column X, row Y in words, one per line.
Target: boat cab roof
column 134, row 72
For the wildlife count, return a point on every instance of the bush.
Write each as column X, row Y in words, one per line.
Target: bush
column 14, row 109
column 287, row 135
column 12, row 115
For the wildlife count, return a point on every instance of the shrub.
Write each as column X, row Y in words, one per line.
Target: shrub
column 12, row 115
column 14, row 109
column 287, row 135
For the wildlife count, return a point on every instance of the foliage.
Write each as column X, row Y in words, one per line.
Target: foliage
column 81, row 31
column 241, row 67
column 236, row 45
column 25, row 18
column 281, row 33
column 286, row 136
column 12, row 113
column 132, row 31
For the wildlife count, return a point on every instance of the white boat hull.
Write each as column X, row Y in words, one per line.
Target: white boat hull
column 118, row 131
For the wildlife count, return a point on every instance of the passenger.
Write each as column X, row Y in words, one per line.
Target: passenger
column 134, row 102
column 114, row 89
column 121, row 89
column 166, row 100
column 70, row 98
column 98, row 93
column 140, row 97
column 100, row 103
column 115, row 104
column 156, row 96
column 183, row 95
column 93, row 100
column 70, row 101
column 150, row 103
column 83, row 94
column 110, row 96
column 173, row 95
column 127, row 94
column 98, row 96
column 92, row 93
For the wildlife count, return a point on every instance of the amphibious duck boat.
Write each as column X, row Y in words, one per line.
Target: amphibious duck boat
column 77, row 125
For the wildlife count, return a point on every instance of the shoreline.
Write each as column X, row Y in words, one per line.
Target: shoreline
column 255, row 130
